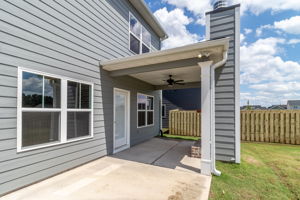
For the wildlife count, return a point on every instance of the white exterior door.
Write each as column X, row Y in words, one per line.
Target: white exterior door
column 121, row 119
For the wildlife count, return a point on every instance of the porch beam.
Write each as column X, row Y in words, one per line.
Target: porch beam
column 206, row 117
column 156, row 67
column 185, row 86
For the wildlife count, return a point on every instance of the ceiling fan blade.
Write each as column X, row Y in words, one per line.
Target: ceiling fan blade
column 180, row 83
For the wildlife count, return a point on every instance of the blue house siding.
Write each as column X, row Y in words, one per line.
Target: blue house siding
column 182, row 99
column 65, row 38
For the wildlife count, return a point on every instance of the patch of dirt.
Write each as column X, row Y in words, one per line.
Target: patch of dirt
column 177, row 196
column 184, row 191
column 252, row 160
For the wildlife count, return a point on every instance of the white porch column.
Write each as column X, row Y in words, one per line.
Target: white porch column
column 206, row 117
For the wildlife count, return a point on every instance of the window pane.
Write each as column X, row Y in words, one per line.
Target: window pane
column 51, row 93
column 141, row 118
column 150, row 118
column 78, row 124
column 135, row 26
column 40, row 128
column 141, row 100
column 32, row 90
column 163, row 110
column 85, row 96
column 73, row 94
column 145, row 49
column 149, row 103
column 134, row 44
column 146, row 36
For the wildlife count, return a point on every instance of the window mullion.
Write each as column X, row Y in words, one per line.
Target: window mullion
column 64, row 104
column 141, row 40
column 43, row 93
column 79, row 106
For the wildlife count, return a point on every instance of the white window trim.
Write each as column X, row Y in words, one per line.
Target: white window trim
column 139, row 39
column 63, row 111
column 146, row 110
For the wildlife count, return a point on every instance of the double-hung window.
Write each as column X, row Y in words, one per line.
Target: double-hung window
column 52, row 110
column 79, row 110
column 140, row 38
column 145, row 110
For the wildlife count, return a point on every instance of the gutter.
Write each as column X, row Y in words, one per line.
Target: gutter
column 213, row 135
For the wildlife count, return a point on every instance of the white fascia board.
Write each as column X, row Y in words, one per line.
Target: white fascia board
column 185, row 52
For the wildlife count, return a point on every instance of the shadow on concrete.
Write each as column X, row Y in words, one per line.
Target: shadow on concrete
column 168, row 153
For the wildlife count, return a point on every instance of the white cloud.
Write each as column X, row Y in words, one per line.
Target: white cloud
column 247, row 31
column 268, row 76
column 294, row 41
column 260, row 29
column 242, row 38
column 291, row 25
column 258, row 6
column 175, row 23
column 197, row 7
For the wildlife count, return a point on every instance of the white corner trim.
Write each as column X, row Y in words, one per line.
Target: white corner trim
column 237, row 86
column 207, row 27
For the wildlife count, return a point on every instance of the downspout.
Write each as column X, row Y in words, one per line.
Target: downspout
column 213, row 135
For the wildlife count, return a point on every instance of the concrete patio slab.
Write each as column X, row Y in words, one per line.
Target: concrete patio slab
column 112, row 178
column 119, row 178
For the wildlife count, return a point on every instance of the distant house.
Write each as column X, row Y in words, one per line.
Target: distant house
column 293, row 104
column 277, row 107
column 253, row 107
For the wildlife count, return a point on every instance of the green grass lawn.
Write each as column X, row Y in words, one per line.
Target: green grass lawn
column 267, row 171
column 181, row 137
column 178, row 136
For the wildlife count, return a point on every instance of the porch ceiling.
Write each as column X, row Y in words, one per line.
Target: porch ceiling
column 181, row 62
column 188, row 74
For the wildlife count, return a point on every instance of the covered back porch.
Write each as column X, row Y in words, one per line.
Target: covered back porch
column 195, row 64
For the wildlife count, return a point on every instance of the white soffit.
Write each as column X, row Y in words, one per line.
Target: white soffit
column 214, row 47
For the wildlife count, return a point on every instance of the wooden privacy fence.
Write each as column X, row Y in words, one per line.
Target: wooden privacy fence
column 278, row 126
column 185, row 123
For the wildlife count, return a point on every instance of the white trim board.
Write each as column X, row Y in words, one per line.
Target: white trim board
column 237, row 86
column 116, row 150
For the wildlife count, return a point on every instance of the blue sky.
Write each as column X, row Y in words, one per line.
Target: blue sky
column 270, row 43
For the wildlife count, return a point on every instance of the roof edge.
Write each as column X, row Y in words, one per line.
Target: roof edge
column 145, row 12
column 223, row 9
column 190, row 47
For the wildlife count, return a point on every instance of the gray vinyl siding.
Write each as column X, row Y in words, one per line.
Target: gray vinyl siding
column 222, row 24
column 135, row 86
column 169, row 106
column 65, row 38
